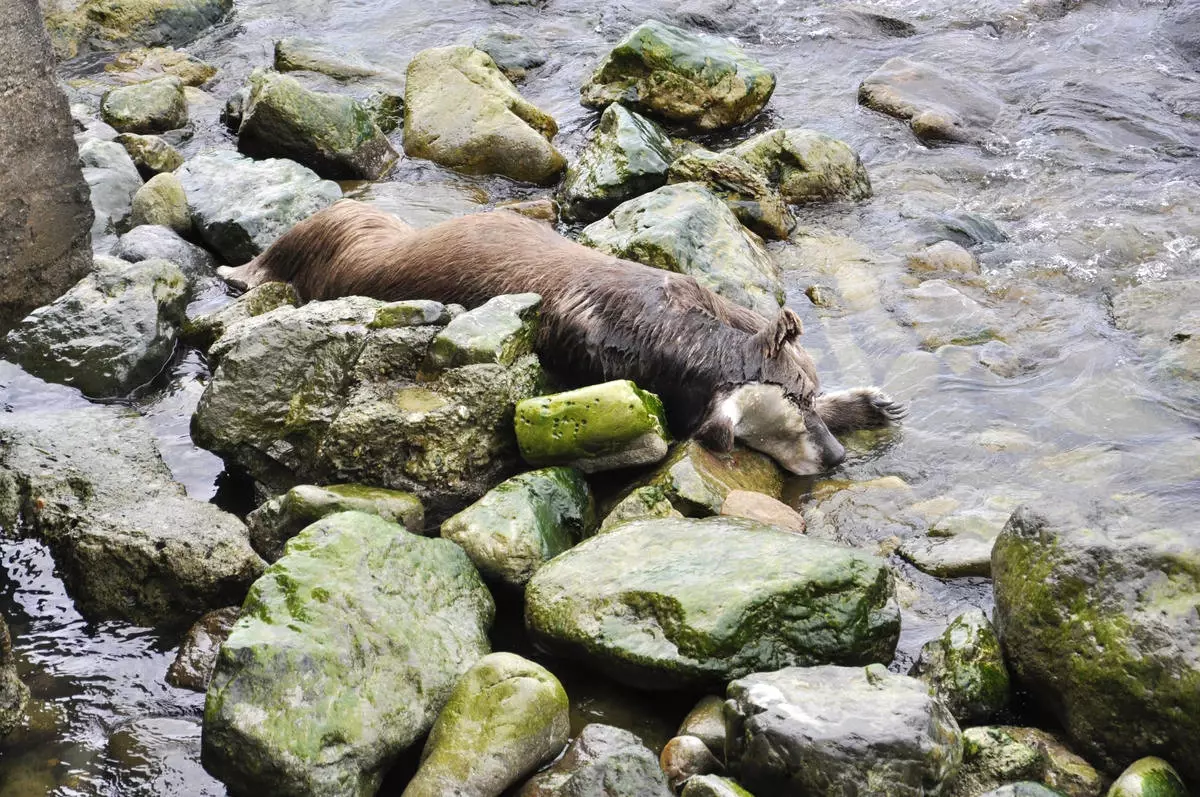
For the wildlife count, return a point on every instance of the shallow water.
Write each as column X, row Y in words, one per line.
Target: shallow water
column 1090, row 183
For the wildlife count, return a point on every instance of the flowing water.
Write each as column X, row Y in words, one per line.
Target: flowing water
column 1089, row 183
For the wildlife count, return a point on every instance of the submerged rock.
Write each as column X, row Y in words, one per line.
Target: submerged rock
column 505, row 718
column 240, row 206
column 807, row 166
column 152, row 107
column 993, row 756
column 941, row 314
column 334, row 135
column 601, row 760
column 685, row 228
column 147, row 63
column 162, row 202
column 693, row 79
column 460, row 111
column 680, row 603
column 346, row 650
column 120, row 24
column 965, row 668
column 14, row 694
column 114, row 330
column 127, row 541
column 744, row 188
column 944, row 256
column 697, row 482
column 197, row 656
column 513, row 52
column 939, row 106
column 1149, row 777
column 762, row 508
column 283, row 517
column 294, row 54
column 627, row 156
column 524, row 522
column 1166, row 318
column 596, row 428
column 840, row 730
column 160, row 754
column 1096, row 613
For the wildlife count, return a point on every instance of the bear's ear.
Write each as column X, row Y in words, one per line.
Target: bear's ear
column 778, row 333
column 716, row 433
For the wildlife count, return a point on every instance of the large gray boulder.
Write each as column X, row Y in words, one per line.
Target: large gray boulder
column 346, row 650
column 602, row 760
column 1096, row 612
column 113, row 180
column 462, row 112
column 44, row 247
column 127, row 540
column 829, row 731
column 687, row 229
column 240, row 206
column 110, row 333
column 677, row 603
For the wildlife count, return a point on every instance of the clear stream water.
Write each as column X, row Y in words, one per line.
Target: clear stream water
column 1091, row 176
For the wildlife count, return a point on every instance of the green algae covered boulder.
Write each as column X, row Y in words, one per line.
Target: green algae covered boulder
column 700, row 81
column 713, row 786
column 204, row 331
column 627, row 156
column 807, row 166
column 505, row 718
column 602, row 760
column 678, row 603
column 997, row 755
column 151, row 154
column 462, row 112
column 1096, row 611
column 119, row 24
column 499, row 331
column 649, row 501
column 1149, row 777
column 283, row 517
column 161, row 201
column 696, row 481
column 743, row 187
column 596, row 428
column 346, row 650
column 524, row 522
column 688, row 229
column 152, row 107
column 332, row 134
column 965, row 668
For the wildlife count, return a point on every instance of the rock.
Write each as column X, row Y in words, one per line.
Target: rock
column 147, row 63
column 197, row 656
column 602, row 760
column 44, row 247
column 524, row 522
column 283, row 517
column 807, row 166
column 744, row 188
column 501, row 331
column 152, row 107
column 506, row 717
column 939, row 106
column 942, row 314
column 943, row 256
column 596, row 428
column 963, row 228
column 839, row 730
column 1166, row 318
column 461, row 112
column 120, row 24
column 513, row 52
column 347, row 648
column 959, row 556
column 687, row 229
column 684, row 757
column 627, row 156
column 1022, row 789
column 965, row 669
column 700, row 81
column 1092, row 624
column 651, row 605
column 151, row 241
column 162, row 202
column 706, row 722
column 999, row 358
column 713, row 786
column 240, row 206
column 14, row 694
column 324, row 394
column 127, row 541
column 110, row 333
column 762, row 508
column 113, row 180
column 639, row 504
column 332, row 134
column 204, row 331
column 1149, row 777
column 1180, row 26
column 296, row 54
column 697, row 482
column 993, row 756
column 150, row 154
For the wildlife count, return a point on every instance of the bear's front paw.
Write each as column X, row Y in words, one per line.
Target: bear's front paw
column 859, row 408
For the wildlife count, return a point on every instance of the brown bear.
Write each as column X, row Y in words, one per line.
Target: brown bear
column 723, row 372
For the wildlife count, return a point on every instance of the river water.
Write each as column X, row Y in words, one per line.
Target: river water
column 1089, row 183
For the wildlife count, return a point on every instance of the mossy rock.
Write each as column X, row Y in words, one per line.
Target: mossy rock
column 807, row 166
column 696, row 481
column 162, row 201
column 136, row 66
column 120, row 24
column 601, row 760
column 965, row 668
column 597, row 428
column 151, row 154
column 152, row 107
column 204, row 331
column 998, row 755
column 499, row 331
column 1149, row 777
column 701, row 81
column 641, row 503
column 743, row 187
column 679, row 603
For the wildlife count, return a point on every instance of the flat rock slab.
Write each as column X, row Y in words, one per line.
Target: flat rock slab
column 938, row 105
column 676, row 603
